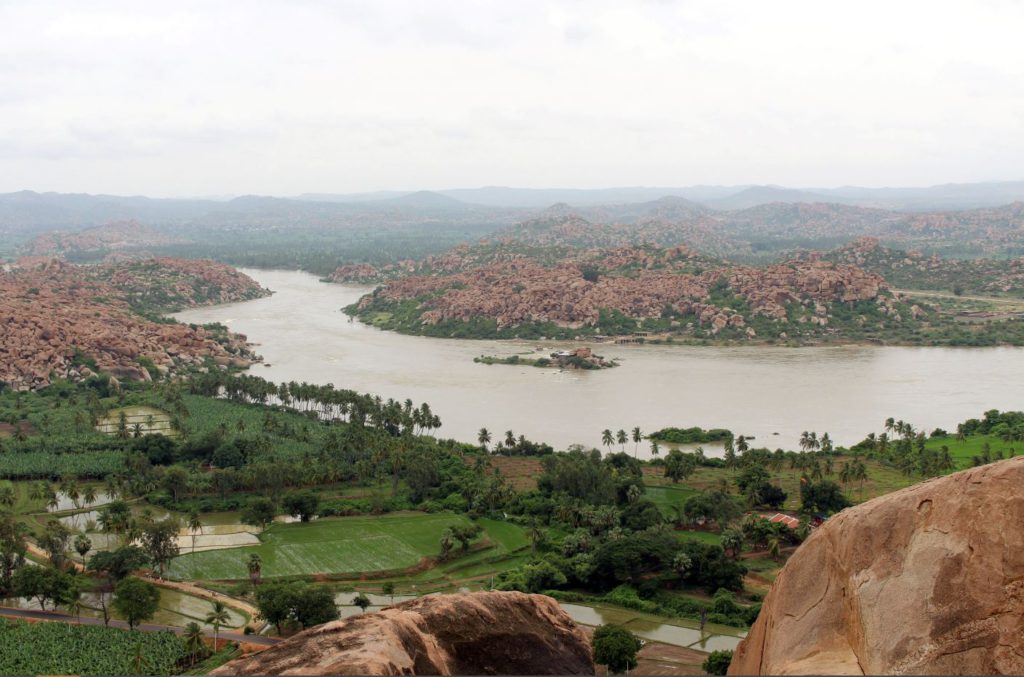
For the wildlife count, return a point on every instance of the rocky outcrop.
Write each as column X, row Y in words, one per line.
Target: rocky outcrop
column 927, row 580
column 111, row 237
column 59, row 320
column 483, row 633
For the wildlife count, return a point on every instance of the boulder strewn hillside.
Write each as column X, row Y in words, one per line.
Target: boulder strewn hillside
column 66, row 321
column 928, row 580
column 112, row 237
column 483, row 633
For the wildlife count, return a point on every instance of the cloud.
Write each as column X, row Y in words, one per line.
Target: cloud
column 282, row 97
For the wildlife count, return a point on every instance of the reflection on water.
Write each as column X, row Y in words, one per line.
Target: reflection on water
column 771, row 393
column 679, row 632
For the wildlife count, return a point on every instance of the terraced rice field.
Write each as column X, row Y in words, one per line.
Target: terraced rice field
column 327, row 546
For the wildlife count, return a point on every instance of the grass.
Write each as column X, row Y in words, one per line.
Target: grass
column 964, row 452
column 328, row 546
column 881, row 480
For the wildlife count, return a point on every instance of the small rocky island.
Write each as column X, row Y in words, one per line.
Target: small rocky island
column 579, row 358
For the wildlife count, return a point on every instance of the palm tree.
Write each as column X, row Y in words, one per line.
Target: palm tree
column 89, row 495
column 484, row 438
column 194, row 524
column 637, row 438
column 655, row 449
column 217, row 617
column 622, row 438
column 607, row 438
column 510, row 439
column 194, row 644
column 7, row 496
column 774, row 545
column 255, row 567
column 732, row 542
column 74, row 606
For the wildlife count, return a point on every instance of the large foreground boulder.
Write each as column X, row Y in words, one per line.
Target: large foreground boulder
column 927, row 580
column 483, row 633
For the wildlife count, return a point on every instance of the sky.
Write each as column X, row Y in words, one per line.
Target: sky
column 240, row 97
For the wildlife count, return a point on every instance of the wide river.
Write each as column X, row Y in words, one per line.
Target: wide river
column 770, row 393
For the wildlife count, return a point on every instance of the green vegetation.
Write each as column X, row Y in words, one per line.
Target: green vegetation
column 328, row 546
column 615, row 647
column 695, row 435
column 61, row 649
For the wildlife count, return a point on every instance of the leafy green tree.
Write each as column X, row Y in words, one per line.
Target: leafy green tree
column 824, row 496
column 389, row 589
column 679, row 466
column 361, row 601
column 13, row 547
column 717, row 662
column 615, row 647
column 44, row 584
column 160, row 541
column 136, row 600
column 295, row 602
column 259, row 512
column 302, row 504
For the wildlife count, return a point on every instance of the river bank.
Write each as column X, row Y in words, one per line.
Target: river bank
column 769, row 393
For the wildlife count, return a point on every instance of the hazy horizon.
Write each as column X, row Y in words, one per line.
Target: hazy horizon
column 201, row 99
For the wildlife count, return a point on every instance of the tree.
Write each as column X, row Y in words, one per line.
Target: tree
column 117, row 564
column 621, row 437
column 824, row 496
column 82, row 545
column 13, row 547
column 732, row 542
column 44, row 584
column 447, row 542
column 54, row 541
column 160, row 541
column 484, row 438
column 136, row 600
column 301, row 504
column 717, row 662
column 389, row 589
column 217, row 617
column 615, row 647
column 259, row 512
column 298, row 602
column 637, row 438
column 194, row 642
column 679, row 466
column 255, row 568
column 194, row 524
column 607, row 438
column 361, row 601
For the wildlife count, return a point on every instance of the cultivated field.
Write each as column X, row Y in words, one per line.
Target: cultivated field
column 327, row 546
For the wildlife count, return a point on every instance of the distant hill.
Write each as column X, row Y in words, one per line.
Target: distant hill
column 759, row 195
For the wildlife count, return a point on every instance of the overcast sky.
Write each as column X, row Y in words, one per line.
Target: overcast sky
column 211, row 98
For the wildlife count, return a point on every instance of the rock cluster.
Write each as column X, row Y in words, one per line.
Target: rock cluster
column 484, row 633
column 639, row 283
column 927, row 580
column 111, row 237
column 59, row 320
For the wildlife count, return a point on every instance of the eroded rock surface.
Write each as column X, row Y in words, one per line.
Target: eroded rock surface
column 927, row 580
column 482, row 633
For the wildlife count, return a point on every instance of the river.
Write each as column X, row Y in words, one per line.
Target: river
column 770, row 393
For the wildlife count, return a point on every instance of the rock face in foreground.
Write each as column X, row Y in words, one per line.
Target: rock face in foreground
column 928, row 580
column 484, row 633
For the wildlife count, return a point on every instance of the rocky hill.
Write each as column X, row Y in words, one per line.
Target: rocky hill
column 915, row 270
column 927, row 580
column 67, row 321
column 484, row 633
column 502, row 292
column 98, row 241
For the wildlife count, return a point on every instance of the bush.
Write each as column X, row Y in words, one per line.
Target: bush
column 717, row 663
column 616, row 647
